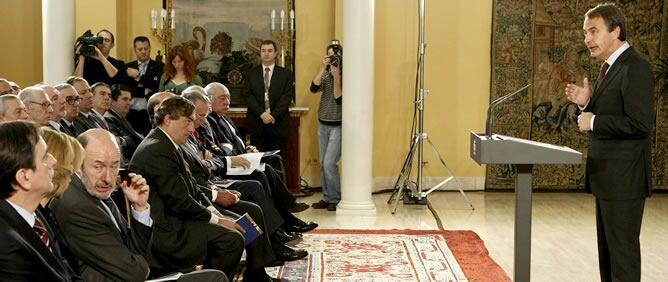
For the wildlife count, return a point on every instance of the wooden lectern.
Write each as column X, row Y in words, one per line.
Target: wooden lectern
column 499, row 149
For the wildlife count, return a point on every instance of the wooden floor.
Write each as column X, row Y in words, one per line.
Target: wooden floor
column 563, row 229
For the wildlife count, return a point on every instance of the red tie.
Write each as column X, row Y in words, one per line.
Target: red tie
column 266, row 90
column 601, row 74
column 41, row 231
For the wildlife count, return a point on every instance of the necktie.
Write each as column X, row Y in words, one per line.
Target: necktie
column 601, row 74
column 41, row 231
column 115, row 217
column 266, row 90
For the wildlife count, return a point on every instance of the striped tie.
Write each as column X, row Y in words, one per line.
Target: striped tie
column 41, row 231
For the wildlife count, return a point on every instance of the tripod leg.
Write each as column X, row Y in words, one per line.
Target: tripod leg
column 452, row 176
column 404, row 176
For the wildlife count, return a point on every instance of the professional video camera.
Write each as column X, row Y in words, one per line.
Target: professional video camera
column 335, row 59
column 87, row 41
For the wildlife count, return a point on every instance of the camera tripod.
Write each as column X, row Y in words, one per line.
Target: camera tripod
column 417, row 196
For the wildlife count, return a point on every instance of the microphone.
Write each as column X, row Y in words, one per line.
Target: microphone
column 490, row 110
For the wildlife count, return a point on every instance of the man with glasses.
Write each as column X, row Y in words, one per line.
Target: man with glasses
column 101, row 67
column 58, row 104
column 11, row 108
column 38, row 105
column 70, row 109
column 84, row 121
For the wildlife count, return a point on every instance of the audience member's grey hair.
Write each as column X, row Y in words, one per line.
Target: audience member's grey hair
column 195, row 95
column 4, row 99
column 62, row 86
column 211, row 89
column 29, row 93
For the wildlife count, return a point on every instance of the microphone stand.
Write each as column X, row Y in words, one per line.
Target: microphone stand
column 490, row 110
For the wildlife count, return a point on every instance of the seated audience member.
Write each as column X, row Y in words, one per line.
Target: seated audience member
column 155, row 101
column 101, row 103
column 84, row 121
column 118, row 125
column 69, row 156
column 70, row 109
column 57, row 103
column 225, row 134
column 15, row 87
column 146, row 74
column 5, row 87
column 12, row 108
column 98, row 234
column 179, row 71
column 206, row 236
column 205, row 170
column 38, row 105
column 101, row 67
column 27, row 250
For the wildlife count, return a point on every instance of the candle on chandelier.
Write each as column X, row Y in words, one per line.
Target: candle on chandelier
column 292, row 19
column 173, row 20
column 273, row 19
column 282, row 18
column 154, row 19
column 163, row 15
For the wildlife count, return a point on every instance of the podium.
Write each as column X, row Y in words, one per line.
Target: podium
column 499, row 149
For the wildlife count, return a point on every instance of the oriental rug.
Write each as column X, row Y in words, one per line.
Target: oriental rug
column 392, row 255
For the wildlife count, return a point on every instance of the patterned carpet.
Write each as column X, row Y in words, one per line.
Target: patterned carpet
column 392, row 255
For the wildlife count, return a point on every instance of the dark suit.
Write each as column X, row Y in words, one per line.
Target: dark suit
column 274, row 136
column 83, row 123
column 105, row 252
column 121, row 128
column 144, row 88
column 23, row 256
column 183, row 236
column 67, row 130
column 619, row 167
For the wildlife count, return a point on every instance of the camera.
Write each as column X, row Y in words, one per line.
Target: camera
column 336, row 59
column 87, row 41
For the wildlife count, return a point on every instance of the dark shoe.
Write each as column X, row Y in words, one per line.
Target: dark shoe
column 286, row 253
column 319, row 205
column 331, row 207
column 299, row 207
column 259, row 275
column 286, row 236
column 275, row 263
column 300, row 226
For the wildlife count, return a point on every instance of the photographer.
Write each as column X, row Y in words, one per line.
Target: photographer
column 97, row 66
column 328, row 80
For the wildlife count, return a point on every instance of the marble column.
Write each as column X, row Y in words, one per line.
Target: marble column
column 57, row 40
column 358, row 92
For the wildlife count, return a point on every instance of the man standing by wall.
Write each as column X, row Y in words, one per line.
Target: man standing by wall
column 268, row 92
column 618, row 115
column 146, row 76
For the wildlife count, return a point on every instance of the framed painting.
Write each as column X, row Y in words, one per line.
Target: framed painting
column 224, row 36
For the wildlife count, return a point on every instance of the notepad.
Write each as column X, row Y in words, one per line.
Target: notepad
column 252, row 230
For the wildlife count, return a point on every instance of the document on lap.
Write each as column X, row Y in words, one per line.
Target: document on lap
column 253, row 158
column 252, row 230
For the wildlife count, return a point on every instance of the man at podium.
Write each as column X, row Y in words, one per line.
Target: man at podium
column 618, row 115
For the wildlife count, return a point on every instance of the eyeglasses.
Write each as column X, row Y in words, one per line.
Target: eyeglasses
column 45, row 104
column 73, row 100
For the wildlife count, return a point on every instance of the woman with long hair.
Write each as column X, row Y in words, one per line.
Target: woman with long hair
column 69, row 154
column 179, row 71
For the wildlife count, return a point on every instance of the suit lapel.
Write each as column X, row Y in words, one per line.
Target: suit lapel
column 614, row 70
column 28, row 234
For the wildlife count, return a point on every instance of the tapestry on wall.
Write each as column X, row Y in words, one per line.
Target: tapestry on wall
column 541, row 42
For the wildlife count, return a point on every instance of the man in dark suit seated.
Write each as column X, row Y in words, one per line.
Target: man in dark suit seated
column 189, row 230
column 225, row 136
column 71, row 108
column 145, row 73
column 84, row 121
column 28, row 251
column 118, row 124
column 99, row 235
